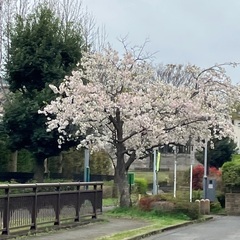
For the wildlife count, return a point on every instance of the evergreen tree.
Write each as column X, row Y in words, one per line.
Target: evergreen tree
column 42, row 52
column 221, row 153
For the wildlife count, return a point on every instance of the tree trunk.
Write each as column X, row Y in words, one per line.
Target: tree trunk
column 45, row 165
column 39, row 170
column 151, row 161
column 123, row 187
column 12, row 165
column 121, row 170
column 60, row 163
column 46, row 170
column 121, row 177
column 115, row 186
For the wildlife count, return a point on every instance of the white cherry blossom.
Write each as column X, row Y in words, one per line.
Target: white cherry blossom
column 121, row 105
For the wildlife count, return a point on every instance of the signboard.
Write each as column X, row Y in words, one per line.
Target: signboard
column 131, row 178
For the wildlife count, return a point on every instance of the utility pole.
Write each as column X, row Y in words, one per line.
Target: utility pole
column 205, row 171
column 155, row 182
column 175, row 172
column 192, row 158
column 86, row 165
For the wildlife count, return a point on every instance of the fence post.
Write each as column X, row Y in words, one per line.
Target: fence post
column 6, row 213
column 95, row 201
column 57, row 222
column 32, row 204
column 77, row 219
column 34, row 210
column 101, row 196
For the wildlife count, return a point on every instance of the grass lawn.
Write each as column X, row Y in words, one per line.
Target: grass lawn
column 110, row 202
column 162, row 176
column 156, row 221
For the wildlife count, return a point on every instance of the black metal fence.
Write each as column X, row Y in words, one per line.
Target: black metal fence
column 23, row 177
column 20, row 177
column 30, row 206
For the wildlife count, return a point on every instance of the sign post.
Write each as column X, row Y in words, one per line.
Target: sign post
column 86, row 165
column 192, row 157
column 175, row 173
column 205, row 171
column 155, row 183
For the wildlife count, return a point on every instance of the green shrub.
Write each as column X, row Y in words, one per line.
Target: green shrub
column 231, row 173
column 165, row 197
column 162, row 206
column 189, row 209
column 141, row 185
column 236, row 157
column 215, row 207
column 197, row 195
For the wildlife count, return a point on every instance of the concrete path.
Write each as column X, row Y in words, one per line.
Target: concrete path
column 220, row 228
column 92, row 231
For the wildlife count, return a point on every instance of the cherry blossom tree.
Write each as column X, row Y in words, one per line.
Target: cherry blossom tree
column 120, row 104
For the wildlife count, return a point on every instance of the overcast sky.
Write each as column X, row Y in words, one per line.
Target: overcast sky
column 201, row 32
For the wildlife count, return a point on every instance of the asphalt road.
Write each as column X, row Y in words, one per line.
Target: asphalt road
column 220, row 228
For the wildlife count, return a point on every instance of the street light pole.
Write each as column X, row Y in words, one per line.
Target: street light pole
column 86, row 165
column 205, row 171
column 192, row 157
column 155, row 183
column 175, row 173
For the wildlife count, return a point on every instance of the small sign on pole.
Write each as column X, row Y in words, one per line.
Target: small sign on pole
column 131, row 177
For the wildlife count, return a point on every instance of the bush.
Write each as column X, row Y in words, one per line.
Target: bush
column 196, row 195
column 140, row 185
column 145, row 203
column 231, row 173
column 198, row 172
column 162, row 206
column 189, row 209
column 215, row 207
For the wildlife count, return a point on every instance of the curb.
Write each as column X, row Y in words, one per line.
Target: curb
column 154, row 232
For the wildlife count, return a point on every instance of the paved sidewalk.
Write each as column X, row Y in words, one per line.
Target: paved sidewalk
column 93, row 230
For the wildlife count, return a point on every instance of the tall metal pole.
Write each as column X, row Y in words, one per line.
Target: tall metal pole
column 192, row 157
column 155, row 184
column 205, row 171
column 86, row 165
column 175, row 173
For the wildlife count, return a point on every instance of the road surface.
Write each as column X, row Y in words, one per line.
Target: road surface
column 220, row 228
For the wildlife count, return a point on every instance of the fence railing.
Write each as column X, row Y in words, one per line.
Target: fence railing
column 29, row 206
column 23, row 177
